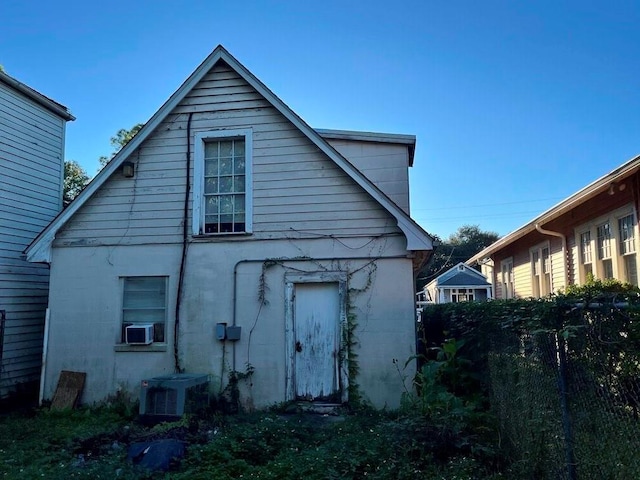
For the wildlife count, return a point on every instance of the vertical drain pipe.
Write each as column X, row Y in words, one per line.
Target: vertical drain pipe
column 565, row 253
column 183, row 260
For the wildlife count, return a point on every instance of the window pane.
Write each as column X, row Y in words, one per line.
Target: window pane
column 627, row 241
column 211, row 150
column 604, row 241
column 238, row 203
column 585, row 247
column 226, row 148
column 226, row 184
column 226, row 166
column 631, row 269
column 226, row 204
column 211, row 223
column 211, row 185
column 238, row 166
column 211, row 168
column 607, row 266
column 238, row 184
column 211, row 205
column 239, row 148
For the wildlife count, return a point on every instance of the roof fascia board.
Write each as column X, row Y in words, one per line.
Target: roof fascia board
column 417, row 238
column 37, row 97
column 399, row 138
column 582, row 195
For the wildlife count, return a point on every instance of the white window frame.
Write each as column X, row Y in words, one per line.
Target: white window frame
column 200, row 139
column 508, row 285
column 123, row 281
column 459, row 295
column 616, row 255
column 541, row 273
column 627, row 249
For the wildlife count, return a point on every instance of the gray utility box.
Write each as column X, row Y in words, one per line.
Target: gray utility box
column 174, row 395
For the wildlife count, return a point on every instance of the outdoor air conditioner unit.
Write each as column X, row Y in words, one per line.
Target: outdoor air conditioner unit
column 139, row 334
column 169, row 396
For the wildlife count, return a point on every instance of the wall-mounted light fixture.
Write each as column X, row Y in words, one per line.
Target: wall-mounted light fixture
column 128, row 169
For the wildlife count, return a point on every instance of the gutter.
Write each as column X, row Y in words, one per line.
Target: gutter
column 564, row 251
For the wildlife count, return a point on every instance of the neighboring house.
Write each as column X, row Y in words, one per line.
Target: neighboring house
column 228, row 233
column 593, row 232
column 32, row 132
column 460, row 283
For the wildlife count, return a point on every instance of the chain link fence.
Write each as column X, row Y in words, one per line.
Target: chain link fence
column 567, row 398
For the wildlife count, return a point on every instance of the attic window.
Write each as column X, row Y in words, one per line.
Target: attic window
column 222, row 186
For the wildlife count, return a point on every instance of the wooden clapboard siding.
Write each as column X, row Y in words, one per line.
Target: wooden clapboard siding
column 386, row 165
column 295, row 186
column 522, row 275
column 31, row 170
column 558, row 261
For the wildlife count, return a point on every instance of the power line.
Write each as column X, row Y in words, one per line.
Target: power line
column 484, row 205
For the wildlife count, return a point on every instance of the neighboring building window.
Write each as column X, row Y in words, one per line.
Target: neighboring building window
column 546, row 271
column 144, row 301
column 626, row 229
column 222, row 186
column 507, row 278
column 535, row 271
column 540, row 271
column 604, row 250
column 462, row 295
column 613, row 253
column 586, row 253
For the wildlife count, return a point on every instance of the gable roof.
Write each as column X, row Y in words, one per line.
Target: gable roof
column 593, row 189
column 456, row 276
column 40, row 99
column 40, row 248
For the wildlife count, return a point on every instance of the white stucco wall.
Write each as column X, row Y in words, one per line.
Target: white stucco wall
column 86, row 302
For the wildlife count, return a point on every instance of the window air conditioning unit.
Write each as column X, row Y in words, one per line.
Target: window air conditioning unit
column 170, row 396
column 141, row 334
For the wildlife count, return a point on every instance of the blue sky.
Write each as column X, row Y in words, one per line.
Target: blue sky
column 515, row 105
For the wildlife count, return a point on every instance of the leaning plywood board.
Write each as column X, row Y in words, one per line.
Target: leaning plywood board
column 68, row 391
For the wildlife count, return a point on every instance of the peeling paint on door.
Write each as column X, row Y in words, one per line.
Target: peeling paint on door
column 317, row 340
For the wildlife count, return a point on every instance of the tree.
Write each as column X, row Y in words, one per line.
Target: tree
column 119, row 140
column 459, row 247
column 75, row 179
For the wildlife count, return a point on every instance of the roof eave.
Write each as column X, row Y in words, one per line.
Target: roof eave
column 37, row 97
column 584, row 194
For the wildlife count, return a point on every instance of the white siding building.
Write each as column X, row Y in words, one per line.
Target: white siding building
column 227, row 234
column 32, row 131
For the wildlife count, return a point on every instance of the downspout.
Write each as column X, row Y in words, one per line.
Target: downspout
column 183, row 256
column 564, row 251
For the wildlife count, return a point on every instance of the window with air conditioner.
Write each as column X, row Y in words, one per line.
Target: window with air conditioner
column 144, row 310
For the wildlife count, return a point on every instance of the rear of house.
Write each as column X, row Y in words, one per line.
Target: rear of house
column 229, row 238
column 593, row 233
column 32, row 131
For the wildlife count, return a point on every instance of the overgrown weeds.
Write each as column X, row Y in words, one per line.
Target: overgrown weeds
column 92, row 443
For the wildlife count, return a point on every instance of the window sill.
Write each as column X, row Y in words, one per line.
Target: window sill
column 154, row 347
column 220, row 236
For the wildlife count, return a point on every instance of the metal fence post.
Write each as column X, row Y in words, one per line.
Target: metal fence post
column 564, row 405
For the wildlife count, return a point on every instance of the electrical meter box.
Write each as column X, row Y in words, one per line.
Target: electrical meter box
column 168, row 397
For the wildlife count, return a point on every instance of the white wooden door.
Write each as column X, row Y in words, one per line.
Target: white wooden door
column 317, row 341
